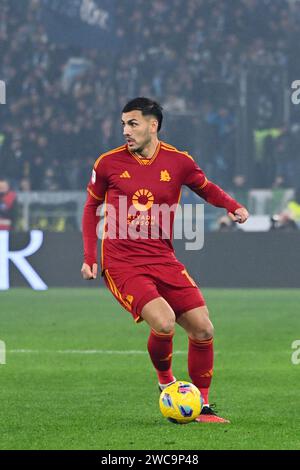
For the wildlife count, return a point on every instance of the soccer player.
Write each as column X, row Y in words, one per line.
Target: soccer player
column 138, row 261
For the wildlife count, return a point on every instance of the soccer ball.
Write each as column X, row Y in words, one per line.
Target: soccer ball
column 180, row 402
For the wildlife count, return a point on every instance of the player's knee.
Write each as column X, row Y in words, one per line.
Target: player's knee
column 160, row 316
column 166, row 325
column 208, row 331
column 203, row 332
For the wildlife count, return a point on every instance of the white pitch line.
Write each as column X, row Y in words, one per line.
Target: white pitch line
column 80, row 351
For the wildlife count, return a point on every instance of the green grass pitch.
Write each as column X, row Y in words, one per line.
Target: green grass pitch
column 77, row 375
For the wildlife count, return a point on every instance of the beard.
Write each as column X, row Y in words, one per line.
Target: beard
column 140, row 147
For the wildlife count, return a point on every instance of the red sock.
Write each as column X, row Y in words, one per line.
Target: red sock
column 200, row 364
column 160, row 347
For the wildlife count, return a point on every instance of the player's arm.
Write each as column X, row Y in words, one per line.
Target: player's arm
column 197, row 181
column 96, row 194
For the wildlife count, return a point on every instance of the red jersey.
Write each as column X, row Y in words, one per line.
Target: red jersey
column 137, row 194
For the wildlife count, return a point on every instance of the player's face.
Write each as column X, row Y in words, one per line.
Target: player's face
column 3, row 187
column 138, row 129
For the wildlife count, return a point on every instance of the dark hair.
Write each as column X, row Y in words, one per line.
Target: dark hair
column 147, row 107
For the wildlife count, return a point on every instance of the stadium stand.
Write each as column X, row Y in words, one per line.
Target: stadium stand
column 64, row 100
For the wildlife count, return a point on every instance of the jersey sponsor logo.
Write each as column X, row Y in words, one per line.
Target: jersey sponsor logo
column 164, row 175
column 142, row 199
column 125, row 174
column 93, row 177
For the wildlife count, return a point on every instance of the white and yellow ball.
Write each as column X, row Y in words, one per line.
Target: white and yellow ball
column 180, row 402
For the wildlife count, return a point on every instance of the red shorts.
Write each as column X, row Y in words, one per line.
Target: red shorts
column 135, row 286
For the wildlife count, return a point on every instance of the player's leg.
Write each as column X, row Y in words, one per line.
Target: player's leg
column 200, row 331
column 182, row 294
column 138, row 294
column 161, row 319
column 187, row 301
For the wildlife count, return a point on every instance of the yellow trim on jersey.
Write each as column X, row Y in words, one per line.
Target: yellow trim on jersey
column 204, row 184
column 111, row 286
column 189, row 278
column 144, row 161
column 111, row 152
column 137, row 158
column 171, row 147
column 155, row 154
column 115, row 290
column 94, row 195
column 186, row 154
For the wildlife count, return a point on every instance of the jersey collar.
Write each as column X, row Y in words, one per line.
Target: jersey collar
column 146, row 161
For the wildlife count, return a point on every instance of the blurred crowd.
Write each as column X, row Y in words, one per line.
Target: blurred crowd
column 63, row 102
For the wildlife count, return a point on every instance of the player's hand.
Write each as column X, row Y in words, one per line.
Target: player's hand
column 88, row 273
column 240, row 215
